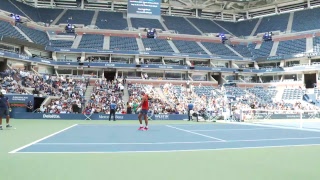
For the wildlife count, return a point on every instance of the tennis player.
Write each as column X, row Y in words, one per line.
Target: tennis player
column 144, row 111
column 4, row 110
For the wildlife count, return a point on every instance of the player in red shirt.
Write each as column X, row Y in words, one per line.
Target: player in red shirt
column 144, row 111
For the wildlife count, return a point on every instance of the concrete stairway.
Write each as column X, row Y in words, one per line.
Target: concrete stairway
column 125, row 96
column 290, row 21
column 88, row 92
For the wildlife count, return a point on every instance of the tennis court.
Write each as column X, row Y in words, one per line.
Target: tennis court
column 200, row 150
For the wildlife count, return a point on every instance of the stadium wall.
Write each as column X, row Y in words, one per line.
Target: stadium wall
column 29, row 116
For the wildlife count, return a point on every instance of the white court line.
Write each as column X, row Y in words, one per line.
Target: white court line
column 34, row 142
column 195, row 142
column 172, row 151
column 273, row 126
column 250, row 129
column 194, row 133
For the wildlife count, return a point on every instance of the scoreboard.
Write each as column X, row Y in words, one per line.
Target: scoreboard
column 144, row 7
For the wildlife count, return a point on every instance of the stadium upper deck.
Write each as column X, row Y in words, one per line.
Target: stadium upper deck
column 204, row 42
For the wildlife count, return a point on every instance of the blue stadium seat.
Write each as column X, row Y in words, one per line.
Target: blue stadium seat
column 264, row 50
column 206, row 25
column 264, row 95
column 242, row 28
column 292, row 94
column 218, row 49
column 123, row 43
column 180, row 25
column 77, row 17
column 273, row 23
column 9, row 31
column 106, row 20
column 91, row 41
column 243, row 50
column 146, row 23
column 291, row 47
column 48, row 15
column 316, row 44
column 306, row 20
column 38, row 37
column 7, row 6
column 60, row 43
column 28, row 10
column 188, row 47
column 160, row 45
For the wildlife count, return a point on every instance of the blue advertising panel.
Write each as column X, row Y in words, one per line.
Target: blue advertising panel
column 145, row 7
column 18, row 102
column 19, row 98
column 26, row 115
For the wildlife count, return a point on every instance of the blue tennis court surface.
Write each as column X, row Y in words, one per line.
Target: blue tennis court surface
column 163, row 138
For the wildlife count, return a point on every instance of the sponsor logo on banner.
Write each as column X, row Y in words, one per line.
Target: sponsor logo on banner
column 65, row 50
column 166, row 67
column 20, row 99
column 51, row 116
column 103, row 116
column 109, row 65
column 23, row 57
column 145, row 53
column 293, row 116
column 119, row 117
column 107, row 117
column 45, row 61
column 162, row 117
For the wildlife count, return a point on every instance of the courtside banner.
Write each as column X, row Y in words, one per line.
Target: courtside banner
column 19, row 98
column 27, row 115
column 286, row 116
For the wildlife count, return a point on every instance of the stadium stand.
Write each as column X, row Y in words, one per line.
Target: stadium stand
column 273, row 23
column 316, row 44
column 242, row 50
column 293, row 94
column 60, row 43
column 105, row 20
column 177, row 96
column 47, row 15
column 160, row 45
column 179, row 25
column 38, row 37
column 76, row 17
column 123, row 43
column 306, row 20
column 265, row 95
column 188, row 47
column 242, row 28
column 10, row 82
column 218, row 49
column 28, row 10
column 291, row 47
column 6, row 5
column 146, row 23
column 263, row 51
column 91, row 41
column 206, row 25
column 9, row 31
column 103, row 94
